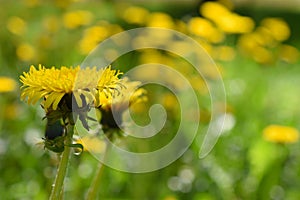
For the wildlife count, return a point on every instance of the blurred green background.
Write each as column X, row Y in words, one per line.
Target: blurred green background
column 256, row 49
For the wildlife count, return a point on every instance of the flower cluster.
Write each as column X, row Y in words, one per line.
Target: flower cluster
column 264, row 44
column 216, row 23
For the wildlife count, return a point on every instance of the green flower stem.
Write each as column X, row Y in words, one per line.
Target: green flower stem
column 95, row 186
column 63, row 165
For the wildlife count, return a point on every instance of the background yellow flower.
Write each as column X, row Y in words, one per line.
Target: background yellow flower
column 281, row 134
column 7, row 84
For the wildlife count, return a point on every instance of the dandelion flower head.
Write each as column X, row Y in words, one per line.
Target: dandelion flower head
column 7, row 84
column 281, row 134
column 112, row 109
column 53, row 84
column 129, row 94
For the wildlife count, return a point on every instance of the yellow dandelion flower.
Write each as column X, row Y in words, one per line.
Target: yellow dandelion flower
column 53, row 84
column 181, row 47
column 92, row 144
column 16, row 25
column 234, row 23
column 289, row 53
column 199, row 85
column 146, row 73
column 91, row 38
column 128, row 95
column 181, row 26
column 97, row 33
column 151, row 55
column 280, row 134
column 264, row 37
column 161, row 20
column 169, row 101
column 224, row 53
column 114, row 29
column 247, row 42
column 263, row 55
column 213, row 10
column 210, row 72
column 139, row 108
column 279, row 29
column 77, row 18
column 256, row 46
column 226, row 20
column 107, row 85
column 135, row 15
column 7, row 84
column 204, row 28
column 26, row 52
